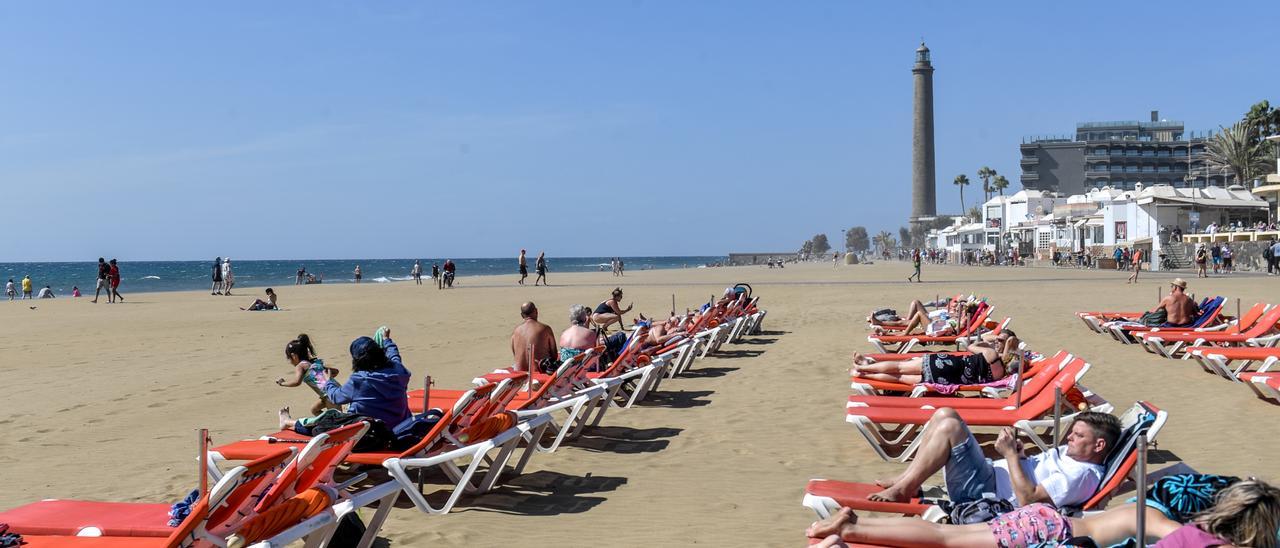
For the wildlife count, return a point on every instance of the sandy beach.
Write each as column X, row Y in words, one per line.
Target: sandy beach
column 102, row 400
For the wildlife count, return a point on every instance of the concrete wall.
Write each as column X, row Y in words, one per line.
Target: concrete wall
column 1247, row 256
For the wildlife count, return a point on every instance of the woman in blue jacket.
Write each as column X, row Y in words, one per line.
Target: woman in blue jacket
column 377, row 388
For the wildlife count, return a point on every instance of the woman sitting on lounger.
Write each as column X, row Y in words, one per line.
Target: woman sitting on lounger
column 259, row 304
column 1244, row 514
column 577, row 338
column 987, row 362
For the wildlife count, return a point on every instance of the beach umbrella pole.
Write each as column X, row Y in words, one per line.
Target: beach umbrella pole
column 1142, row 489
column 1057, row 413
column 202, row 466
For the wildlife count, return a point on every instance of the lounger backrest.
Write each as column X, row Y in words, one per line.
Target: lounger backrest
column 1042, row 401
column 464, row 408
column 314, row 465
column 979, row 319
column 1209, row 312
column 1249, row 318
column 230, row 499
column 561, row 382
column 1036, row 377
column 1267, row 323
column 1142, row 418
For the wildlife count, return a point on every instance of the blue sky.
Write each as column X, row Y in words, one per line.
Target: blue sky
column 161, row 130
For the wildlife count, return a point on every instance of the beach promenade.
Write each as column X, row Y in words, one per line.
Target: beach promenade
column 102, row 401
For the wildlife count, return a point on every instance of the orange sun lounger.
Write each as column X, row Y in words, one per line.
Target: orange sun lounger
column 826, row 496
column 912, row 422
column 1218, row 359
column 905, row 343
column 1032, row 386
column 870, row 387
column 86, row 523
column 1168, row 344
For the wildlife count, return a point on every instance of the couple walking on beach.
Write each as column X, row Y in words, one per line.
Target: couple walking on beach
column 540, row 266
column 108, row 279
column 223, row 278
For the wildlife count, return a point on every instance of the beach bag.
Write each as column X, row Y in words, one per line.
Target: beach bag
column 411, row 431
column 378, row 438
column 885, row 315
column 976, row 511
column 1154, row 319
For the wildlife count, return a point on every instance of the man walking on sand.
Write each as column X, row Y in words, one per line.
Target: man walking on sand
column 915, row 262
column 524, row 268
column 1137, row 266
column 104, row 272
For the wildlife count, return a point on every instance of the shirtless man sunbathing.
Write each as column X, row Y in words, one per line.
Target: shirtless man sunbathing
column 987, row 362
column 1181, row 310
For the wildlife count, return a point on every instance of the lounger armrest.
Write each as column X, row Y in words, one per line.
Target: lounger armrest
column 1219, row 327
column 568, row 403
column 1265, row 340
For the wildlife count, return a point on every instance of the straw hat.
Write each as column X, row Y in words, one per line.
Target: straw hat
column 1179, row 282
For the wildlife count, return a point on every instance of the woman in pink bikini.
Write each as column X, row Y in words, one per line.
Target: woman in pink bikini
column 1244, row 514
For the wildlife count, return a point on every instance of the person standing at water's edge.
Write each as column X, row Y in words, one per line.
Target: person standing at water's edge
column 9, row 291
column 541, row 268
column 228, row 277
column 217, row 277
column 523, row 267
column 417, row 272
column 435, row 275
column 302, row 276
column 104, row 271
column 26, row 287
column 358, row 274
column 115, row 281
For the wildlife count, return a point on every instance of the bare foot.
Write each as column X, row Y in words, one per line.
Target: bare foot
column 832, row 541
column 286, row 422
column 887, row 483
column 832, row 524
column 891, row 494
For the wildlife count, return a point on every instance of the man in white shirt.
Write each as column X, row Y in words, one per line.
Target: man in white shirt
column 1066, row 476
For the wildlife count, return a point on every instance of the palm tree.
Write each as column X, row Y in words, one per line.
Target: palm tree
column 986, row 174
column 961, row 181
column 1233, row 149
column 1000, row 184
column 883, row 239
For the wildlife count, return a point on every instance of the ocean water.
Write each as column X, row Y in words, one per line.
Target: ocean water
column 149, row 276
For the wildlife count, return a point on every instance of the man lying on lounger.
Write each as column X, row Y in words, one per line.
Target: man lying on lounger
column 990, row 361
column 1066, row 476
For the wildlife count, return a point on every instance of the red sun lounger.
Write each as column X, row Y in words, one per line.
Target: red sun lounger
column 826, row 496
column 912, row 422
column 229, row 500
column 1261, row 333
column 870, row 387
column 1218, row 359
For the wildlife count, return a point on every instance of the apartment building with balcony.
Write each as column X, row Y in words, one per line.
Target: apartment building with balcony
column 1118, row 155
